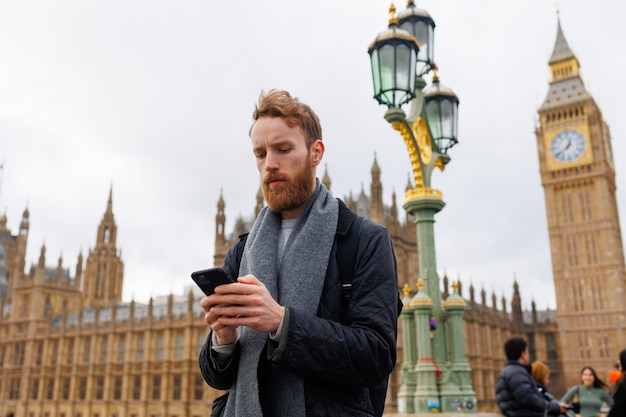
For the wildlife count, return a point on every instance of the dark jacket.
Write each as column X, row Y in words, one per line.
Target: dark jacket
column 549, row 397
column 618, row 409
column 340, row 362
column 517, row 394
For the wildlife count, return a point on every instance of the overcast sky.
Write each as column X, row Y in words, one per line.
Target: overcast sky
column 154, row 99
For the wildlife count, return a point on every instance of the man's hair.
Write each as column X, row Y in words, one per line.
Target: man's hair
column 539, row 372
column 514, row 347
column 279, row 103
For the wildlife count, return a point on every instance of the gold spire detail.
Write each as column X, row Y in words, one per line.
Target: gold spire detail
column 393, row 19
column 406, row 290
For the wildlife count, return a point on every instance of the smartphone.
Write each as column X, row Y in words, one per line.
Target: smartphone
column 208, row 279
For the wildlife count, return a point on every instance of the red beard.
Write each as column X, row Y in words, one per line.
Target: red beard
column 293, row 193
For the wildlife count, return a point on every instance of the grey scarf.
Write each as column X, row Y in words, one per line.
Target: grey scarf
column 295, row 281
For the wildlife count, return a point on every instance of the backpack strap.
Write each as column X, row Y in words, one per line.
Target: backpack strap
column 239, row 247
column 348, row 227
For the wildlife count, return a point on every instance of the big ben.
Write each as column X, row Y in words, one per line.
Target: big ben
column 578, row 176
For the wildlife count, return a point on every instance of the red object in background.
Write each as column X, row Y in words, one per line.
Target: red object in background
column 614, row 376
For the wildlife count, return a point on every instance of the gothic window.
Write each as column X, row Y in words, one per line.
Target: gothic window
column 101, row 281
column 576, row 296
column 46, row 307
column 103, row 349
column 139, row 353
column 569, row 208
column 25, row 305
column 82, row 388
column 66, row 388
column 177, row 382
column 14, row 389
column 39, row 353
column 551, row 349
column 594, row 250
column 158, row 350
column 156, row 387
column 117, row 390
column 137, row 387
column 86, row 350
column 531, row 347
column 70, row 352
column 99, row 387
column 603, row 343
column 18, row 354
column 596, row 293
column 106, row 235
column 198, row 388
column 50, row 389
column 581, row 201
column 34, row 389
column 569, row 252
column 54, row 349
column 200, row 342
column 121, row 347
column 179, row 349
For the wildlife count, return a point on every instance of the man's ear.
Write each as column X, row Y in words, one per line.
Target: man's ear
column 317, row 152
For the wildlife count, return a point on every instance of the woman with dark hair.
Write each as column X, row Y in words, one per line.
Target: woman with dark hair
column 619, row 396
column 590, row 394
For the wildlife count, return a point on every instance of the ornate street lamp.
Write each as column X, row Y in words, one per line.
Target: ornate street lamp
column 438, row 377
column 393, row 55
column 419, row 24
column 442, row 107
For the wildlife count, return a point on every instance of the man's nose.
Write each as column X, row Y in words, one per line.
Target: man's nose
column 271, row 161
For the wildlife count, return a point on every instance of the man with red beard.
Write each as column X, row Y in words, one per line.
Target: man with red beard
column 285, row 339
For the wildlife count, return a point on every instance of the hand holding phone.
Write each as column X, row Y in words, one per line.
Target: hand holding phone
column 208, row 279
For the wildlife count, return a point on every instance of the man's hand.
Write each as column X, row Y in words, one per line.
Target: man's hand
column 564, row 407
column 224, row 335
column 244, row 303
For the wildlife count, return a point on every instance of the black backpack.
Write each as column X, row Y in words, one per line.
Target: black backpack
column 347, row 246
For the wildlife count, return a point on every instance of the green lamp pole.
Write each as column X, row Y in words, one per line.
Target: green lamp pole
column 436, row 378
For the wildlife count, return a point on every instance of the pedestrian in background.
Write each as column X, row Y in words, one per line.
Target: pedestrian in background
column 541, row 374
column 516, row 391
column 619, row 395
column 591, row 394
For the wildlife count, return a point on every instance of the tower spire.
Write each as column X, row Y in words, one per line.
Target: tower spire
column 104, row 272
column 110, row 202
column 561, row 51
column 566, row 85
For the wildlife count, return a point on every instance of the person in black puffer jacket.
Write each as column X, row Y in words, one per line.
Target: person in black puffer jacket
column 516, row 392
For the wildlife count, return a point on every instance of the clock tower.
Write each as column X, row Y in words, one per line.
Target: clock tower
column 578, row 177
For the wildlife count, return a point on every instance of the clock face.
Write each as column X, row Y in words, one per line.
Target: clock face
column 567, row 145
